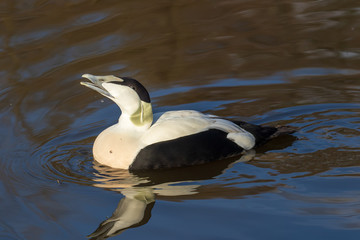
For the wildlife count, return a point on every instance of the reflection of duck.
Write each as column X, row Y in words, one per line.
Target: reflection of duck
column 176, row 138
column 141, row 189
column 133, row 210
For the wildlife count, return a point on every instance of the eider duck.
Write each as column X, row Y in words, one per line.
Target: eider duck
column 143, row 141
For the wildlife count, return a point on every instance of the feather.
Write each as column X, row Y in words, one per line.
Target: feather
column 176, row 124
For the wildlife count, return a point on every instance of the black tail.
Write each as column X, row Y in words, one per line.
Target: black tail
column 263, row 134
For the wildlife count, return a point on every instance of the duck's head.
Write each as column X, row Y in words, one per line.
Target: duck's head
column 130, row 95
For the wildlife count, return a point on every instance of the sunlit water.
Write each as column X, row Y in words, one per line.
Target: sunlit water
column 276, row 63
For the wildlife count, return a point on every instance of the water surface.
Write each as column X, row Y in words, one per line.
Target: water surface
column 268, row 62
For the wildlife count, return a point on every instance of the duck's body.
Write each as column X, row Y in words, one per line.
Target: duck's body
column 174, row 139
column 177, row 138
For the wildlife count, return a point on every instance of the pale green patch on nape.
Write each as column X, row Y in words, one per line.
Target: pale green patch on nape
column 143, row 115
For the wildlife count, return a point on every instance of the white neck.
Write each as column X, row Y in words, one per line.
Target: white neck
column 125, row 123
column 139, row 121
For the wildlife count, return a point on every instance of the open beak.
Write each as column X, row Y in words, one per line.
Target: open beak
column 96, row 84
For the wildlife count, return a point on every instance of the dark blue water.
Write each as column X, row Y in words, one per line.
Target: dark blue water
column 275, row 63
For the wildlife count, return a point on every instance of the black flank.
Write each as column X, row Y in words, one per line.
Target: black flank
column 189, row 150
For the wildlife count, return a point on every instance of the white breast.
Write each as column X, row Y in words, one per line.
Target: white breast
column 116, row 148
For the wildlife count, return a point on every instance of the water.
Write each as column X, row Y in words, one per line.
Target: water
column 268, row 62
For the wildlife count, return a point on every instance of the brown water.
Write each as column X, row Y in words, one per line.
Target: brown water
column 268, row 62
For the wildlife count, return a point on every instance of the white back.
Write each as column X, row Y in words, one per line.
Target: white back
column 175, row 124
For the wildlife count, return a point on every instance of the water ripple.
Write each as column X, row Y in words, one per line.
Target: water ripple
column 60, row 160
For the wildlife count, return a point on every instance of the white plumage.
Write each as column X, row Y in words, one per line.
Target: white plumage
column 176, row 138
column 175, row 124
